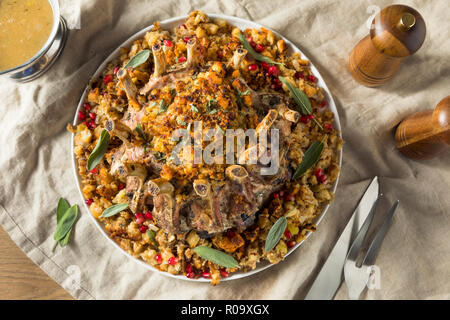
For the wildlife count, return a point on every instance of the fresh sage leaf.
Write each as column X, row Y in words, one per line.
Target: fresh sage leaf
column 301, row 99
column 275, row 233
column 312, row 155
column 255, row 54
column 63, row 206
column 99, row 150
column 138, row 59
column 65, row 223
column 216, row 256
column 64, row 241
column 113, row 210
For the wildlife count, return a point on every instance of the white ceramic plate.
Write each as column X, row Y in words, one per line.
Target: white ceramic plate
column 170, row 24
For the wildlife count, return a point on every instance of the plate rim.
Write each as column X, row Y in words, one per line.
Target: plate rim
column 165, row 24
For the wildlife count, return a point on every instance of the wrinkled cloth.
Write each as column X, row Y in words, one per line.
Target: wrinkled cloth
column 36, row 160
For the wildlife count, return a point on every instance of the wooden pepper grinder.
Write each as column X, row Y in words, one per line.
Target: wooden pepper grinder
column 397, row 32
column 425, row 134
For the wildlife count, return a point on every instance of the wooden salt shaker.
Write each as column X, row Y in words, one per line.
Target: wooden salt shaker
column 425, row 134
column 397, row 32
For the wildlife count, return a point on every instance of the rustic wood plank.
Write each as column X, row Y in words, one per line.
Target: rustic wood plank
column 20, row 278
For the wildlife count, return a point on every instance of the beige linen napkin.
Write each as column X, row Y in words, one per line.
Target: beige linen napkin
column 36, row 167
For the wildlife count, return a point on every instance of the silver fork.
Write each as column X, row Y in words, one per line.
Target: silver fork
column 356, row 277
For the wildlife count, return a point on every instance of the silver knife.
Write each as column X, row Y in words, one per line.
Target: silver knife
column 331, row 275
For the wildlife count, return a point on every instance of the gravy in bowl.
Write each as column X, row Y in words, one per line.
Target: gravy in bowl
column 25, row 26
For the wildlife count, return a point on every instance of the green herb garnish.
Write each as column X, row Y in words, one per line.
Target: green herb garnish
column 141, row 132
column 163, row 106
column 301, row 99
column 62, row 208
column 194, row 108
column 138, row 59
column 210, row 104
column 255, row 54
column 216, row 256
column 312, row 155
column 99, row 151
column 113, row 210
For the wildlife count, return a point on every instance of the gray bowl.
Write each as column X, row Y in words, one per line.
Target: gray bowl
column 48, row 54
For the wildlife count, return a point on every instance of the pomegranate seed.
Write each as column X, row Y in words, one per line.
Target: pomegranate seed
column 81, row 115
column 273, row 71
column 87, row 106
column 148, row 216
column 94, row 171
column 190, row 275
column 287, row 234
column 189, row 268
column 92, row 115
column 281, row 193
column 312, row 78
column 223, row 273
column 230, row 234
column 304, row 119
column 121, row 186
column 89, row 201
column 299, row 75
column 253, row 67
column 276, row 86
column 167, row 43
column 265, row 65
column 85, row 123
column 252, row 43
column 328, row 126
column 92, row 124
column 186, row 39
column 259, row 48
column 116, row 69
column 143, row 228
column 318, row 173
column 173, row 261
column 275, row 195
column 323, row 178
column 140, row 218
column 181, row 59
column 206, row 275
column 289, row 197
column 158, row 258
column 107, row 79
column 291, row 243
column 324, row 103
column 310, row 116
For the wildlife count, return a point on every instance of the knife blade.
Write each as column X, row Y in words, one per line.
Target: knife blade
column 331, row 275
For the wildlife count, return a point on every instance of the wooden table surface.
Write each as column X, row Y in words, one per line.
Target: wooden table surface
column 20, row 278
